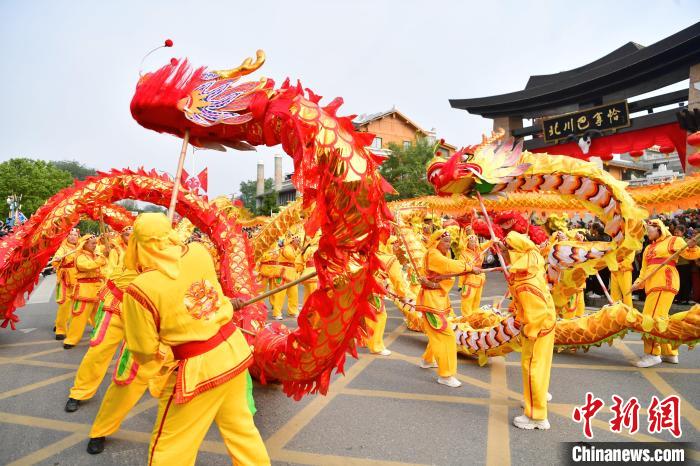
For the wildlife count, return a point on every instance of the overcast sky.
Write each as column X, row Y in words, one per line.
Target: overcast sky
column 68, row 69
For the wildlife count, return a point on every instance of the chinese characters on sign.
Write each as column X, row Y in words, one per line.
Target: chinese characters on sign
column 661, row 415
column 606, row 117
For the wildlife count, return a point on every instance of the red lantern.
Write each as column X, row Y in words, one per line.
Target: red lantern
column 607, row 157
column 666, row 149
column 636, row 153
column 694, row 139
column 694, row 159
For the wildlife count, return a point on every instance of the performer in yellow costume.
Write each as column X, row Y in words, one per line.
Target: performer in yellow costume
column 621, row 280
column 393, row 275
column 662, row 286
column 434, row 302
column 308, row 257
column 64, row 264
column 108, row 332
column 89, row 281
column 534, row 310
column 269, row 271
column 288, row 261
column 471, row 285
column 177, row 301
column 567, row 305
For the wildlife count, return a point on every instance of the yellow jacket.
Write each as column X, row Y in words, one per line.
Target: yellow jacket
column 666, row 279
column 527, row 283
column 269, row 267
column 394, row 274
column 187, row 309
column 64, row 264
column 308, row 262
column 475, row 259
column 89, row 278
column 438, row 300
column 288, row 259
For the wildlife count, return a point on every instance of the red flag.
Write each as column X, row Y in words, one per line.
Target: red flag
column 184, row 178
column 204, row 179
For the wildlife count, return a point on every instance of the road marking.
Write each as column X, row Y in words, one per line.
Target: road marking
column 688, row 410
column 43, row 293
column 26, row 330
column 498, row 440
column 49, row 450
column 34, row 386
column 275, row 443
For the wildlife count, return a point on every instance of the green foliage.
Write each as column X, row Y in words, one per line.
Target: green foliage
column 248, row 194
column 35, row 180
column 88, row 226
column 405, row 169
column 75, row 168
column 269, row 204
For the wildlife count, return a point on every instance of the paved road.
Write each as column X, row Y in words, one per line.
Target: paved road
column 385, row 410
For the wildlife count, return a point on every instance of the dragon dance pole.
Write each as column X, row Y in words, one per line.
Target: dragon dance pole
column 178, row 174
column 493, row 235
column 673, row 257
column 269, row 293
column 605, row 289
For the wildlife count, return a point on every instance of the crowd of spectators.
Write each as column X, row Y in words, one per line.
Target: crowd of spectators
column 684, row 224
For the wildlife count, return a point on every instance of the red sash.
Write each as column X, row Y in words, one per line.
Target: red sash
column 195, row 348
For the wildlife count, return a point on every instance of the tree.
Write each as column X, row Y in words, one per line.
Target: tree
column 405, row 169
column 249, row 194
column 75, row 168
column 35, row 180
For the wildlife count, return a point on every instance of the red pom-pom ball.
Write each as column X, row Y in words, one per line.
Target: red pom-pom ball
column 173, row 61
column 168, row 43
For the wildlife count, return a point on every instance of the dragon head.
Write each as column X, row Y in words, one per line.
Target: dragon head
column 479, row 167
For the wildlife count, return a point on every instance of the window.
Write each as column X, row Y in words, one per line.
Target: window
column 377, row 143
column 406, row 144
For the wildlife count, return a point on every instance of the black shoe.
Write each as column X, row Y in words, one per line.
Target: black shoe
column 67, row 346
column 72, row 405
column 96, row 445
column 60, row 337
column 54, row 328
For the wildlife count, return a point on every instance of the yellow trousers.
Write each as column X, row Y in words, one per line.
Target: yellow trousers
column 621, row 286
column 104, row 343
column 62, row 316
column 119, row 399
column 657, row 304
column 471, row 299
column 309, row 287
column 536, row 363
column 277, row 300
column 575, row 308
column 80, row 313
column 375, row 342
column 441, row 348
column 180, row 428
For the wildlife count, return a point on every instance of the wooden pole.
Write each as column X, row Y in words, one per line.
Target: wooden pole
column 280, row 288
column 493, row 235
column 605, row 289
column 178, row 174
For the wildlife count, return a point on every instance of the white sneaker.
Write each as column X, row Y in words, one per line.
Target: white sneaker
column 384, row 352
column 524, row 422
column 648, row 360
column 673, row 359
column 549, row 398
column 278, row 318
column 449, row 381
column 427, row 365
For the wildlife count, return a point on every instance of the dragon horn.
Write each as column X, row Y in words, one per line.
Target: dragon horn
column 246, row 67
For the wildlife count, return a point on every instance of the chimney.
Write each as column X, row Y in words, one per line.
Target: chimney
column 260, row 186
column 278, row 173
